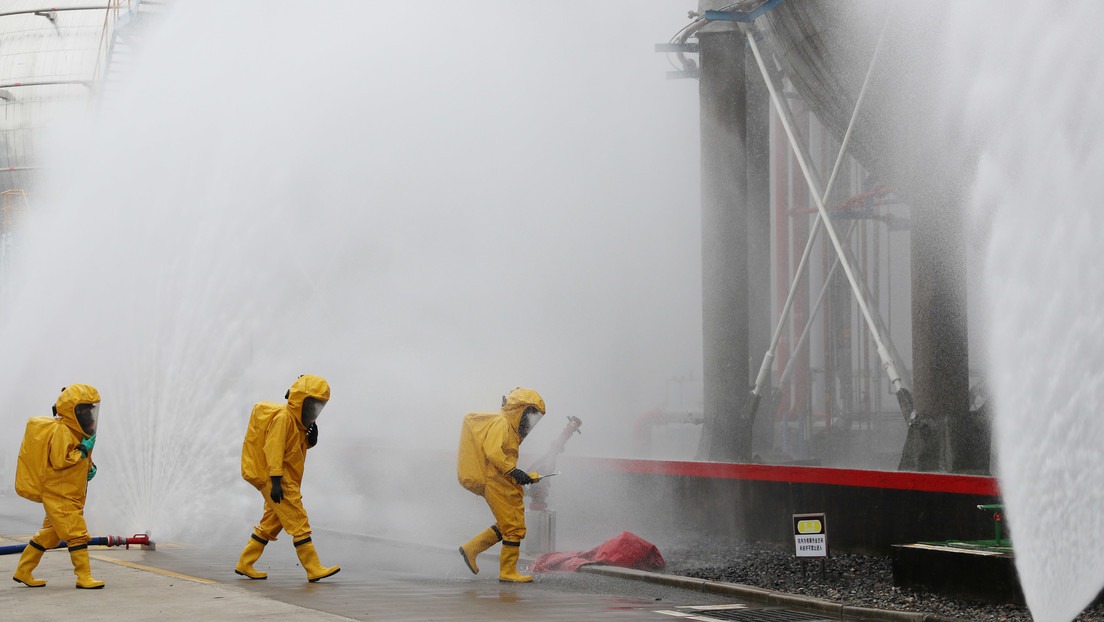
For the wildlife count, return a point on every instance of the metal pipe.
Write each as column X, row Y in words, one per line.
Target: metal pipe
column 10, row 85
column 904, row 398
column 46, row 10
column 752, row 405
column 812, row 316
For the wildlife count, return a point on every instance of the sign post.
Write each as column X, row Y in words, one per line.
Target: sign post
column 811, row 539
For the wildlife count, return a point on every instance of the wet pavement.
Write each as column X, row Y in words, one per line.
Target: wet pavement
column 378, row 581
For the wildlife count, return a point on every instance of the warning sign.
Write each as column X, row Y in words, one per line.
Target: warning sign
column 810, row 535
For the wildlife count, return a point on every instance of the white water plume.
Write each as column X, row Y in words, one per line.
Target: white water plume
column 1032, row 85
column 427, row 205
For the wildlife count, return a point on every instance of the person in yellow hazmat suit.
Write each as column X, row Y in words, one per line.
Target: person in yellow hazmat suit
column 273, row 457
column 487, row 466
column 61, row 467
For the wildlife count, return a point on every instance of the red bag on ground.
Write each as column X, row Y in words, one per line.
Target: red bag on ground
column 626, row 550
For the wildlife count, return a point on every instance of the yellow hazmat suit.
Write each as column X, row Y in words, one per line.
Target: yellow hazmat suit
column 489, row 451
column 275, row 446
column 64, row 486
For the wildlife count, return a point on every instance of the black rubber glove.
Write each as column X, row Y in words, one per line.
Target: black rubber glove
column 312, row 435
column 520, row 477
column 277, row 492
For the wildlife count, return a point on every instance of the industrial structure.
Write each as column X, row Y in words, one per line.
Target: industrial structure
column 835, row 268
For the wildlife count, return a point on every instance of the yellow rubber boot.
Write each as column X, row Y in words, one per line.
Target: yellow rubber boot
column 507, row 564
column 249, row 556
column 308, row 557
column 485, row 540
column 28, row 561
column 83, row 569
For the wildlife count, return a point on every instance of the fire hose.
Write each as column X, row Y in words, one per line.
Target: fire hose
column 138, row 539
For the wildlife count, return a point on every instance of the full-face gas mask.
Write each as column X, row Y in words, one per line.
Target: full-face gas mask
column 312, row 407
column 87, row 415
column 529, row 420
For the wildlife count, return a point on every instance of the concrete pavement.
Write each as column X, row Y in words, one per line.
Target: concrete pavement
column 137, row 589
column 377, row 582
column 382, row 580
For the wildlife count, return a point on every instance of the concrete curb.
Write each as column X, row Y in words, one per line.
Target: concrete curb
column 827, row 608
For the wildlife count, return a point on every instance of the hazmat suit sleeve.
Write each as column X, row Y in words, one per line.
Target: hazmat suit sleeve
column 500, row 446
column 274, row 446
column 63, row 452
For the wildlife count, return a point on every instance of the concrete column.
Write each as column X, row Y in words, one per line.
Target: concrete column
column 940, row 353
column 759, row 243
column 726, row 435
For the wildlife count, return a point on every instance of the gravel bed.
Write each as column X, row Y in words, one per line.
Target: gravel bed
column 857, row 580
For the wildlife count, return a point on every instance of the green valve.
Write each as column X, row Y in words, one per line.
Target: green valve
column 996, row 508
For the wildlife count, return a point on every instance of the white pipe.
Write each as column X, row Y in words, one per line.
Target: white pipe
column 812, row 317
column 783, row 113
column 768, row 358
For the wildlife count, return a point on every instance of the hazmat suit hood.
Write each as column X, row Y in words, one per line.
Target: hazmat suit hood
column 517, row 401
column 306, row 386
column 66, row 405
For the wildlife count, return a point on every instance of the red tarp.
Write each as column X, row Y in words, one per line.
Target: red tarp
column 627, row 550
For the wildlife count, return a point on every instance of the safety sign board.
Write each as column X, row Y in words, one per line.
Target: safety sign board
column 810, row 535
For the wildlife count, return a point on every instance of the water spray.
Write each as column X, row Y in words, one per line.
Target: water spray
column 139, row 539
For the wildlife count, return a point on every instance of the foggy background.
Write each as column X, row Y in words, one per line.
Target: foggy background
column 427, row 206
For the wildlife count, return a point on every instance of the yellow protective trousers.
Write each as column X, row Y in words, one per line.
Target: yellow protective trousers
column 507, row 502
column 64, row 521
column 287, row 515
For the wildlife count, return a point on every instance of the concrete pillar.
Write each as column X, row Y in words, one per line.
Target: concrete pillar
column 940, row 353
column 726, row 435
column 759, row 244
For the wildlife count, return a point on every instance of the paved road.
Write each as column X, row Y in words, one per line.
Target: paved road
column 378, row 581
